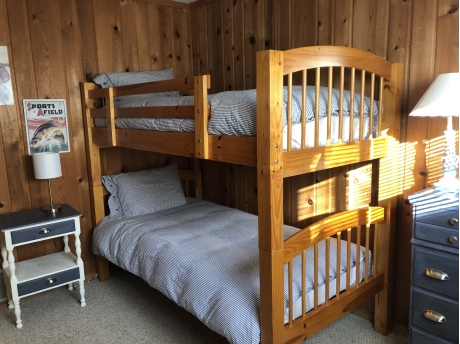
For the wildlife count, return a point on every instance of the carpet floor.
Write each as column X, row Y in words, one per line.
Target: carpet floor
column 125, row 309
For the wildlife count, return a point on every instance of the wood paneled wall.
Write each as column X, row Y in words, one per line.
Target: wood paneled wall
column 56, row 44
column 422, row 34
column 53, row 46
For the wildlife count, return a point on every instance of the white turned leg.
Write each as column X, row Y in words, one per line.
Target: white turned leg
column 70, row 286
column 14, row 289
column 17, row 311
column 82, row 293
column 3, row 250
column 80, row 264
column 4, row 266
column 65, row 238
column 10, row 299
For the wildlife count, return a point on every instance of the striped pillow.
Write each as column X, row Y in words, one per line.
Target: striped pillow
column 114, row 79
column 143, row 192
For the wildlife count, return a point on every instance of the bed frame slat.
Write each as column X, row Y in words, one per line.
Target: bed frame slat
column 289, row 114
column 317, row 94
column 371, row 114
column 304, row 106
column 352, row 105
column 329, row 105
column 361, row 105
column 327, row 268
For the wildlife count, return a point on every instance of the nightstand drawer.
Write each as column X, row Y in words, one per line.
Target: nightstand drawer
column 419, row 337
column 42, row 232
column 48, row 281
column 436, row 234
column 425, row 258
column 424, row 301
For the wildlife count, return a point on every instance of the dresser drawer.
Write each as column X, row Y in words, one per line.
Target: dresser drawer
column 48, row 281
column 426, row 258
column 423, row 301
column 439, row 218
column 42, row 231
column 418, row 336
column 447, row 236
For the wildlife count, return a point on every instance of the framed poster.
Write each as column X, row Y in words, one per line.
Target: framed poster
column 46, row 125
column 6, row 87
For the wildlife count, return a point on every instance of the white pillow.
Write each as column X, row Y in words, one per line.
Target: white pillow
column 114, row 79
column 143, row 192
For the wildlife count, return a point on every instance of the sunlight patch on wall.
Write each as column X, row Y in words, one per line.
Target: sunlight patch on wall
column 397, row 170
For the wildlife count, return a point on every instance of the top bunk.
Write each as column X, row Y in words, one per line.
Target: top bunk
column 306, row 96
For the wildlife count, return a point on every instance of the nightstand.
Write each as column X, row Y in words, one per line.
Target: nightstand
column 33, row 276
column 434, row 311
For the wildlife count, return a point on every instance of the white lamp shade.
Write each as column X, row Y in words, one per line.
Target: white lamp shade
column 441, row 98
column 47, row 165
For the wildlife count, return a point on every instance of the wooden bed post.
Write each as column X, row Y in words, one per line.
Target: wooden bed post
column 200, row 92
column 94, row 168
column 383, row 314
column 270, row 193
column 198, row 178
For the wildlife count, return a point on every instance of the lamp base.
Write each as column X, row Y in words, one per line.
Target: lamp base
column 54, row 209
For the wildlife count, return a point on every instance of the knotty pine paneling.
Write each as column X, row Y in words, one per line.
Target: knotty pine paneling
column 56, row 44
column 423, row 35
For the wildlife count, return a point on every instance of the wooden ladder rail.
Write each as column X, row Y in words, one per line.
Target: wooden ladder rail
column 94, row 172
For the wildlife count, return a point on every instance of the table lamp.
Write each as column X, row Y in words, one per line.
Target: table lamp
column 46, row 166
column 441, row 100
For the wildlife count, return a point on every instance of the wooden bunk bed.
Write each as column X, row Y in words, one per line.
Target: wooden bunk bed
column 274, row 161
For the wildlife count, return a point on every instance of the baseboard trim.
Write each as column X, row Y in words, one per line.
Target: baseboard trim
column 397, row 328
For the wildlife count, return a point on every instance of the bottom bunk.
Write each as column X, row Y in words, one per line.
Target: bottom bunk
column 205, row 257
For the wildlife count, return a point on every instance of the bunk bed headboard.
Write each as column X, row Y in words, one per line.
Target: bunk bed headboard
column 94, row 146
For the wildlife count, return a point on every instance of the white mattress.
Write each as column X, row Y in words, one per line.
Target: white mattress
column 205, row 257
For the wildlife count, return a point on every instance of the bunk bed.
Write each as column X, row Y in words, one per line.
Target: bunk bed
column 279, row 74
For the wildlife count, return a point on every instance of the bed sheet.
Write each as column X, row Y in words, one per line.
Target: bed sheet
column 204, row 257
column 234, row 113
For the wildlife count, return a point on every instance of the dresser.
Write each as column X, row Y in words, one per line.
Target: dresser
column 434, row 312
column 32, row 276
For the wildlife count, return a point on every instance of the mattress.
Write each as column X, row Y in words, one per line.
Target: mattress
column 234, row 113
column 209, row 267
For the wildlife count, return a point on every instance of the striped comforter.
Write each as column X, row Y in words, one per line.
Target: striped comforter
column 204, row 257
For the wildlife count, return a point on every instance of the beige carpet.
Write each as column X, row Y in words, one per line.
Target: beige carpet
column 125, row 309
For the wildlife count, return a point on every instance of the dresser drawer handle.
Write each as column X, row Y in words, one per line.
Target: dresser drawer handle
column 436, row 274
column 453, row 221
column 434, row 316
column 453, row 239
column 50, row 281
column 44, row 231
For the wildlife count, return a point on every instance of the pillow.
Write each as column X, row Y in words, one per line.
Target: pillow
column 143, row 192
column 113, row 79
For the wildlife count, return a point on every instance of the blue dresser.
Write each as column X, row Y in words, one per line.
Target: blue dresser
column 434, row 312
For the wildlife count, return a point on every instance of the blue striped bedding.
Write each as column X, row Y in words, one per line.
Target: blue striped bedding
column 234, row 112
column 204, row 257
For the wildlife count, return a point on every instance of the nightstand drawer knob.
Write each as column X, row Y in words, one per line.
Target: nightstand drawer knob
column 50, row 281
column 44, row 230
column 453, row 221
column 453, row 239
column 434, row 316
column 436, row 274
